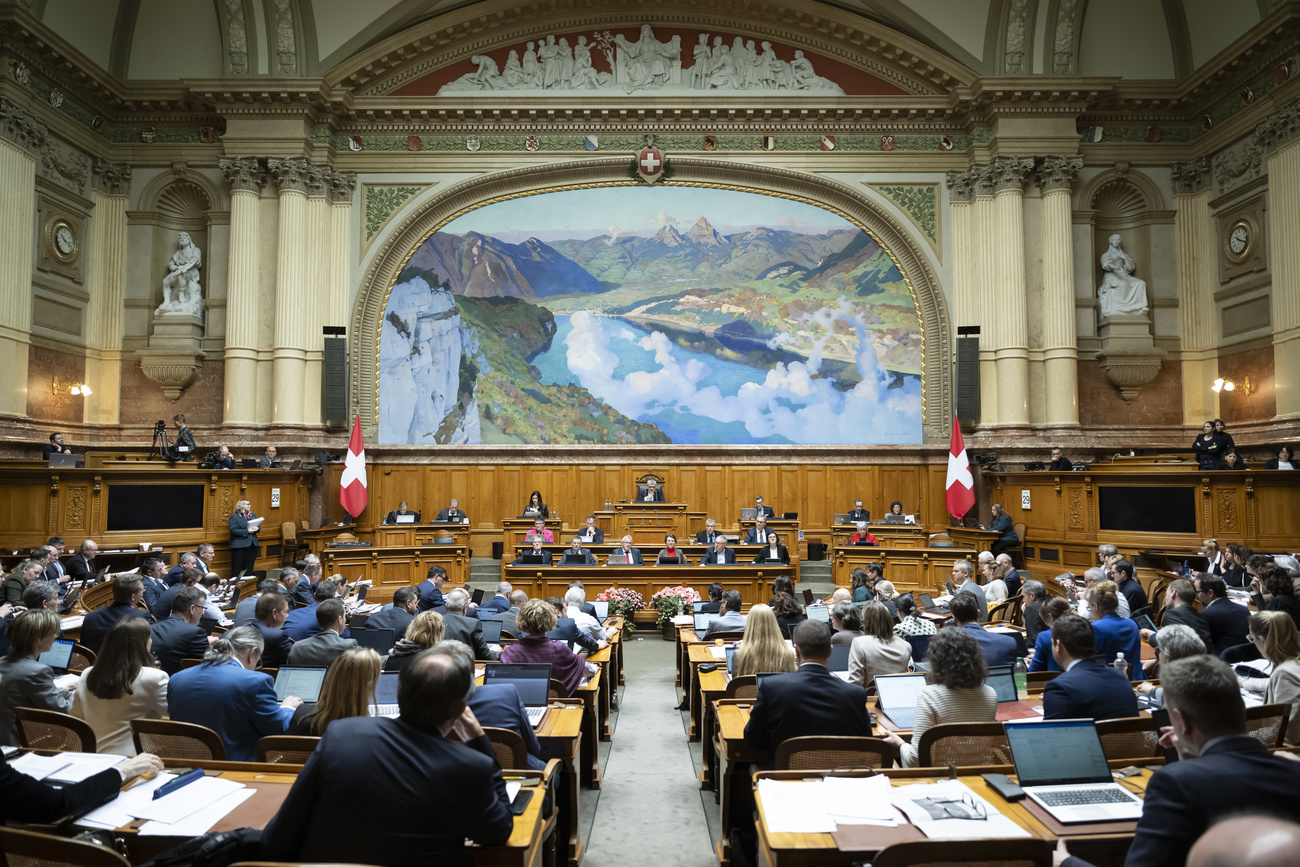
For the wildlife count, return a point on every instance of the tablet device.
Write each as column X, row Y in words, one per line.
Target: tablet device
column 59, row 655
column 302, row 682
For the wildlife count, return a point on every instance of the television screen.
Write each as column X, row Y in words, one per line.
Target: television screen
column 155, row 507
column 1147, row 509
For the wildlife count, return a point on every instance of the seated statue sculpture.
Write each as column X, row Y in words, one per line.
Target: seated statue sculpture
column 1120, row 293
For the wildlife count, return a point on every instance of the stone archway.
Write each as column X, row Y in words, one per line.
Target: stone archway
column 402, row 240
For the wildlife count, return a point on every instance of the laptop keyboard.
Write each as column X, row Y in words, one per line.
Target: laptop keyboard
column 535, row 715
column 1082, row 797
column 384, row 710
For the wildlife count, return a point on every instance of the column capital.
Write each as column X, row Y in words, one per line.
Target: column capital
column 113, row 179
column 1058, row 173
column 1010, row 173
column 22, row 129
column 318, row 180
column 961, row 185
column 342, row 186
column 1192, row 176
column 290, row 173
column 1279, row 128
column 243, row 173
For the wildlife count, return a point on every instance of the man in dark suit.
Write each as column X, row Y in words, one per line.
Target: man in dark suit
column 765, row 511
column 1122, row 572
column 452, row 514
column 271, row 613
column 246, row 610
column 270, row 459
column 1010, row 577
column 630, row 556
column 127, row 591
column 1032, row 596
column 720, row 554
column 401, row 511
column 301, row 623
column 591, row 534
column 305, row 591
column 56, row 446
column 152, row 571
column 758, row 535
column 653, row 493
column 1228, row 622
column 1179, row 611
column 81, row 565
column 406, row 604
column 467, row 630
column 579, row 553
column 566, row 629
column 367, row 759
column 501, row 601
column 321, row 649
column 179, row 636
column 54, row 569
column 1086, row 688
column 997, row 649
column 497, row 705
column 431, row 588
column 810, row 701
column 859, row 513
column 708, row 534
column 962, row 582
column 537, row 542
column 163, row 609
column 1220, row 768
column 509, row 617
column 188, row 560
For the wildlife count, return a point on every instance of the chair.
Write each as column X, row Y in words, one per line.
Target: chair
column 1017, row 551
column 940, row 540
column 1036, row 680
column 190, row 663
column 920, row 646
column 828, row 752
column 81, row 659
column 745, row 686
column 727, row 636
column 30, row 849
column 289, row 544
column 1002, row 612
column 286, row 749
column 170, row 739
column 509, row 747
column 986, row 853
column 1129, row 738
column 1267, row 723
column 964, row 744
column 51, row 730
column 556, row 689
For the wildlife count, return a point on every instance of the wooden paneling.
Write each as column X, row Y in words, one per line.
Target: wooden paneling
column 908, row 569
column 753, row 582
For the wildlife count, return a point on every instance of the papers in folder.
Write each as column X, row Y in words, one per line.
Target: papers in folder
column 255, row 523
column 817, row 806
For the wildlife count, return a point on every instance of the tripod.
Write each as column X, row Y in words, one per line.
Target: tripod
column 162, row 446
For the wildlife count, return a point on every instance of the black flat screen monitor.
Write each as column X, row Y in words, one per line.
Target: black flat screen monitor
column 1147, row 509
column 155, row 507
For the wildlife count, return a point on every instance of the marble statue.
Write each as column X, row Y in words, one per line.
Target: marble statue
column 1120, row 293
column 181, row 291
column 649, row 62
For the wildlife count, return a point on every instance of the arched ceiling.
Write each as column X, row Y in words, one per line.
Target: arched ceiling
column 139, row 41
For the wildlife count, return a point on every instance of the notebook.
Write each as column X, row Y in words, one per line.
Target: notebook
column 302, row 682
column 818, row 612
column 1009, row 704
column 896, row 696
column 1061, row 765
column 386, row 695
column 59, row 655
column 531, row 679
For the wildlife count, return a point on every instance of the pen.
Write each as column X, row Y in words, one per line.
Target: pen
column 183, row 780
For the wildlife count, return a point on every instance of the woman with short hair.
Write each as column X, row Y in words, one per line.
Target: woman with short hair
column 424, row 632
column 847, row 620
column 863, row 536
column 669, row 553
column 762, row 649
column 1274, row 634
column 122, row 685
column 957, row 693
column 1283, row 460
column 534, row 620
column 878, row 651
column 348, row 690
column 24, row 680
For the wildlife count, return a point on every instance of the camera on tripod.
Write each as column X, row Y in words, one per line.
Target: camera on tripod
column 162, row 447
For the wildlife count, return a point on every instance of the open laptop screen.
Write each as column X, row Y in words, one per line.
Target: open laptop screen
column 839, row 660
column 59, row 655
column 702, row 622
column 1003, row 683
column 1056, row 752
column 602, row 609
column 531, row 679
column 818, row 612
column 731, row 659
column 302, row 682
column 898, row 690
column 378, row 640
column 491, row 631
column 386, row 688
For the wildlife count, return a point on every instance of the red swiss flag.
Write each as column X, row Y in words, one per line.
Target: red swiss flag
column 352, row 486
column 960, row 496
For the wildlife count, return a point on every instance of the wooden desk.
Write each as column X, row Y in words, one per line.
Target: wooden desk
column 694, row 553
column 752, row 581
column 407, row 535
column 604, row 659
column 908, row 569
column 698, row 654
column 514, row 530
column 391, row 568
column 713, row 685
column 648, row 523
column 973, row 537
column 560, row 735
column 893, row 535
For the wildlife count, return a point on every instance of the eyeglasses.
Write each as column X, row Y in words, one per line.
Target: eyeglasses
column 964, row 807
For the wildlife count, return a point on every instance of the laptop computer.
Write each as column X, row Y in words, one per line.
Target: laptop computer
column 696, row 606
column 408, row 518
column 379, row 640
column 730, row 650
column 572, row 559
column 492, row 631
column 58, row 461
column 618, row 558
column 251, row 464
column 926, row 602
column 1144, row 621
column 302, row 682
column 59, row 655
column 1009, row 704
column 840, row 518
column 532, row 558
column 789, row 516
column 476, row 596
column 1061, row 765
column 602, row 609
column 839, row 660
column 531, row 679
column 891, row 518
column 702, row 621
column 818, row 612
column 866, row 542
column 896, row 696
column 748, row 514
column 386, row 695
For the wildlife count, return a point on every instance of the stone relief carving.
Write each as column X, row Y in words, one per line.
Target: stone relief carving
column 291, row 173
column 236, row 38
column 113, row 179
column 1192, row 176
column 1279, row 128
column 1228, row 510
column 183, row 280
column 1120, row 293
column 286, row 43
column 1063, row 44
column 76, row 507
column 67, row 167
column 1017, row 27
column 21, row 128
column 342, row 185
column 644, row 64
column 1238, row 164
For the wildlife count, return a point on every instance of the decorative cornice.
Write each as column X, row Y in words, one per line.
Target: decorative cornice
column 1279, row 128
column 1058, row 173
column 961, row 185
column 113, row 179
column 342, row 186
column 20, row 128
column 243, row 173
column 1193, row 176
column 292, row 174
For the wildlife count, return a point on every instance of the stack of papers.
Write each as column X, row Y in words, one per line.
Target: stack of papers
column 187, row 812
column 817, row 806
column 683, row 620
column 65, row 767
column 912, row 801
column 67, row 623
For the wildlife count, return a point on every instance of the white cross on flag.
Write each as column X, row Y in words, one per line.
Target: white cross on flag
column 960, row 496
column 352, row 486
column 650, row 164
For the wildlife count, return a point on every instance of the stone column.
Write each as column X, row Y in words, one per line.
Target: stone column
column 1056, row 175
column 106, row 285
column 246, row 177
column 289, row 352
column 1010, row 308
column 1279, row 137
column 984, row 296
column 1196, row 255
column 22, row 139
column 965, row 309
column 342, row 187
column 318, row 263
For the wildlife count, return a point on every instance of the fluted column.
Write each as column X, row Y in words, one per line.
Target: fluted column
column 106, row 285
column 1011, row 328
column 985, row 290
column 246, row 177
column 289, row 353
column 318, row 263
column 21, row 139
column 961, row 192
column 342, row 187
column 1282, row 133
column 1056, row 175
column 1196, row 257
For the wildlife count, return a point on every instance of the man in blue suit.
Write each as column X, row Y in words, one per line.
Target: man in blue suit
column 719, row 554
column 1229, row 622
column 1221, row 767
column 179, row 636
column 566, row 628
column 997, row 649
column 501, row 601
column 1086, row 688
column 431, row 588
column 151, row 573
column 758, row 535
column 304, row 593
column 128, row 591
column 301, row 623
column 497, row 704
column 228, row 696
column 414, row 758
column 271, row 613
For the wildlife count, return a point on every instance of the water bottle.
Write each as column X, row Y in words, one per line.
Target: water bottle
column 1187, row 570
column 1020, row 673
column 1120, row 665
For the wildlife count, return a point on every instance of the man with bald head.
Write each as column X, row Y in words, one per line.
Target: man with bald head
column 1247, row 841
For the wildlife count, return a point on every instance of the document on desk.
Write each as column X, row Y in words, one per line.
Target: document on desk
column 682, row 620
column 817, row 806
column 185, row 801
column 512, row 789
column 719, row 653
column 119, row 811
column 200, row 821
column 65, row 767
column 66, row 623
column 929, row 806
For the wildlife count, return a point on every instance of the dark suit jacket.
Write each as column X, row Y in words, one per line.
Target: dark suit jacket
column 174, row 640
column 240, row 537
column 860, row 515
column 99, row 621
column 23, row 799
column 162, row 607
column 634, row 556
column 173, row 575
column 597, row 538
column 430, row 596
column 372, row 760
column 277, row 645
column 1136, row 596
column 1012, row 580
column 499, row 705
column 391, row 517
column 79, row 568
column 997, row 649
column 496, row 603
column 224, row 464
column 466, row 630
column 301, row 623
column 1033, row 622
column 302, row 593
column 1228, row 623
column 55, row 571
column 588, row 559
column 1061, row 465
column 396, row 619
column 751, row 536
column 767, row 510
column 782, row 555
column 567, row 630
column 546, row 558
column 640, row 497
column 704, row 538
column 1116, row 635
column 810, row 701
column 321, row 649
column 1002, row 524
column 1089, row 690
column 710, row 557
column 1188, row 616
column 444, row 515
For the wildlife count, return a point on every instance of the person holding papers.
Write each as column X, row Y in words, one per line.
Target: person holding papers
column 24, row 680
column 348, row 690
column 244, row 547
column 122, row 685
column 957, row 692
column 1087, row 688
column 228, row 695
column 24, row 799
column 878, row 651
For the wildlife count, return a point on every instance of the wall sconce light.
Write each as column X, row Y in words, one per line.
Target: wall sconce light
column 1222, row 385
column 81, row 389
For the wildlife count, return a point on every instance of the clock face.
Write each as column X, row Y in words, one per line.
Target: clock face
column 1239, row 239
column 64, row 240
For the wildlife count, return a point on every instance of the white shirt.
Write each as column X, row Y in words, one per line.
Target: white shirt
column 111, row 718
column 586, row 624
column 211, row 610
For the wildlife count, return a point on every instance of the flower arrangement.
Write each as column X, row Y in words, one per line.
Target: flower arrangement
column 623, row 602
column 668, row 601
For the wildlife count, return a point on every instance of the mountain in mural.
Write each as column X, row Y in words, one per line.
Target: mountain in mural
column 480, row 266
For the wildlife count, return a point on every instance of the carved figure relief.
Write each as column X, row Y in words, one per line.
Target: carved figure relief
column 1120, row 293
column 1076, row 509
column 236, row 37
column 1228, row 510
column 181, row 291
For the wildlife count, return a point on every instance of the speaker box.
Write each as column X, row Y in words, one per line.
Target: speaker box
column 968, row 379
column 334, row 381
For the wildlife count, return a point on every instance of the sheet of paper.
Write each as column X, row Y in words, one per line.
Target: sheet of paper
column 719, row 653
column 683, row 620
column 254, row 523
column 67, row 681
column 794, row 807
column 512, row 789
column 130, row 572
column 1252, row 699
column 81, row 766
column 118, row 812
column 67, row 623
column 37, row 767
column 995, row 826
column 200, row 821
column 859, row 800
column 186, row 800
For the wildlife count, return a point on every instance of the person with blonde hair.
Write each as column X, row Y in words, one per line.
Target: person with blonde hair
column 348, row 690
column 878, row 651
column 1278, row 641
column 535, row 619
column 16, row 582
column 244, row 547
column 1115, row 634
column 424, row 632
column 122, row 685
column 762, row 649
column 24, row 680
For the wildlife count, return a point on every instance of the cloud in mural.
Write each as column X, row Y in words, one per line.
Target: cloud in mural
column 663, row 219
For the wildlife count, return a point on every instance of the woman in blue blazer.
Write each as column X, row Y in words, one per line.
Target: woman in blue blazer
column 244, row 547
column 1114, row 634
column 1043, row 659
